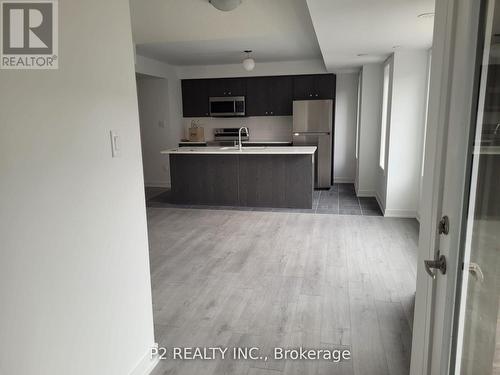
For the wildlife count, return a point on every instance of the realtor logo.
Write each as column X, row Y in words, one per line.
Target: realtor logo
column 29, row 34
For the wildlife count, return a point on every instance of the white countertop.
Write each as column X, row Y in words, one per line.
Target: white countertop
column 258, row 150
column 487, row 150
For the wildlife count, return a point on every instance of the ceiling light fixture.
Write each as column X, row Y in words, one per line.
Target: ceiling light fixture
column 248, row 63
column 426, row 15
column 225, row 5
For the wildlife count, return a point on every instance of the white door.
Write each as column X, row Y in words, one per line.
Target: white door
column 450, row 313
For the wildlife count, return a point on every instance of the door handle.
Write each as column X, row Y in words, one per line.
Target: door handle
column 476, row 272
column 439, row 264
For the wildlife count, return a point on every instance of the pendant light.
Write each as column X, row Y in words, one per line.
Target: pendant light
column 225, row 5
column 248, row 63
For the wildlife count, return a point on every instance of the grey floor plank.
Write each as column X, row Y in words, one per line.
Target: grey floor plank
column 287, row 279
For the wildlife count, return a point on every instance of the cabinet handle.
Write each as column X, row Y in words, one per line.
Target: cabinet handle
column 271, row 113
column 310, row 94
column 266, row 112
column 229, row 92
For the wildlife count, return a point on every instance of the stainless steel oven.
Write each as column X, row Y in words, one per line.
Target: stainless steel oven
column 227, row 106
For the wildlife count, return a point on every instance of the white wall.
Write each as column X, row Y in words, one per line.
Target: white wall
column 346, row 102
column 261, row 69
column 381, row 173
column 156, row 132
column 159, row 69
column 159, row 100
column 405, row 132
column 75, row 286
column 369, row 130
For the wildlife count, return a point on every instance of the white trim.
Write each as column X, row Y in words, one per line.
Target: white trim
column 450, row 98
column 379, row 201
column 146, row 364
column 343, row 180
column 163, row 184
column 366, row 193
column 394, row 212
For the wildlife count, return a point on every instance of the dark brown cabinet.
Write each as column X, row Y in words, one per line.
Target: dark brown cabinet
column 316, row 86
column 269, row 96
column 264, row 96
column 227, row 87
column 195, row 97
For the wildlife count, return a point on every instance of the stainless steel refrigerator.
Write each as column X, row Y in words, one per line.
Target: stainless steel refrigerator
column 312, row 126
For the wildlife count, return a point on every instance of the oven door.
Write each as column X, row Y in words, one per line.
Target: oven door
column 227, row 106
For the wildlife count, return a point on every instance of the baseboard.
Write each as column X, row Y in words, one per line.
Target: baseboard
column 163, row 184
column 366, row 193
column 379, row 201
column 146, row 365
column 400, row 213
column 343, row 180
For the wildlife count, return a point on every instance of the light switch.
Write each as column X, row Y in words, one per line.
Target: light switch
column 115, row 144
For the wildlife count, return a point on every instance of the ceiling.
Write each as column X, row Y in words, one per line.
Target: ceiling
column 193, row 32
column 371, row 28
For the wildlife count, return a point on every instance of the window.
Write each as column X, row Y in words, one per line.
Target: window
column 385, row 110
column 358, row 118
column 428, row 89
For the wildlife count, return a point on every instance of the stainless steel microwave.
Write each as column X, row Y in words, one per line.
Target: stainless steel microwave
column 228, row 106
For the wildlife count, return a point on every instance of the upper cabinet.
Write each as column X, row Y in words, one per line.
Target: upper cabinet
column 269, row 96
column 227, row 87
column 312, row 87
column 195, row 97
column 264, row 96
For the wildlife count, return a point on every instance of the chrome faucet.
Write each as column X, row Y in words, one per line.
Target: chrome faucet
column 239, row 136
column 495, row 132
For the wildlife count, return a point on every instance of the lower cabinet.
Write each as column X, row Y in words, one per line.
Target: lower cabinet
column 268, row 180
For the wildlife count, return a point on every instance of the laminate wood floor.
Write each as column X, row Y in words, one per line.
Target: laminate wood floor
column 279, row 279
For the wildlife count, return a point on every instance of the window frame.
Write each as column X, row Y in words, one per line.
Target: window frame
column 385, row 117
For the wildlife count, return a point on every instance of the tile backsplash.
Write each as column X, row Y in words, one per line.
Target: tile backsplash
column 275, row 128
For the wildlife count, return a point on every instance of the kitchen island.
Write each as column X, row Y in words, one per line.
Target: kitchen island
column 280, row 177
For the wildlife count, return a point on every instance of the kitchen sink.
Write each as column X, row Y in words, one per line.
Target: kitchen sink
column 249, row 148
